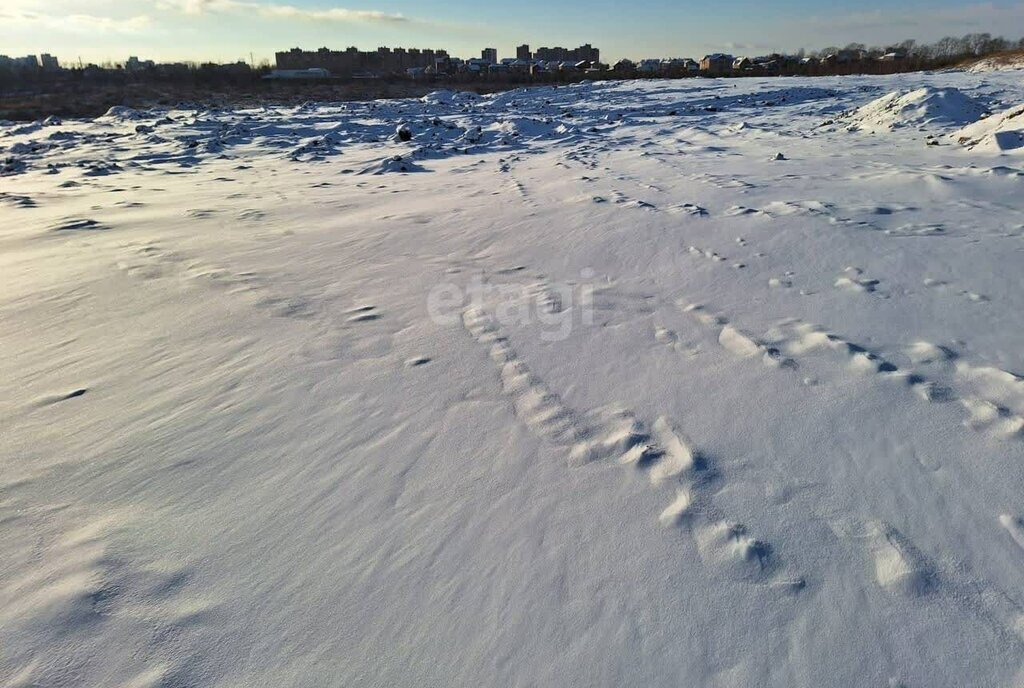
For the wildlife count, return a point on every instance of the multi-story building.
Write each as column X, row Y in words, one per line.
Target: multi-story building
column 523, row 53
column 588, row 52
column 546, row 54
column 558, row 54
column 489, row 55
column 353, row 61
column 28, row 62
column 49, row 62
column 134, row 64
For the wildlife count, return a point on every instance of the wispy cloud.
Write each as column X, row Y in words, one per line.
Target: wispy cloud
column 732, row 45
column 74, row 23
column 122, row 16
column 278, row 11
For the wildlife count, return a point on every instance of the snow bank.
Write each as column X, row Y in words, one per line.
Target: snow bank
column 445, row 97
column 1000, row 132
column 998, row 63
column 529, row 129
column 924, row 107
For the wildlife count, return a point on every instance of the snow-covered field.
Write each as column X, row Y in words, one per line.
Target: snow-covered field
column 677, row 383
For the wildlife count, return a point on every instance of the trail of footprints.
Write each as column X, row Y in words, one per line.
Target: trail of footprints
column 901, row 569
column 615, row 434
column 151, row 261
column 851, row 279
column 992, row 398
column 897, row 565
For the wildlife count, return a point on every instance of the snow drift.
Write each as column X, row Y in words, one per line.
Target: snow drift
column 997, row 63
column 1001, row 132
column 924, row 108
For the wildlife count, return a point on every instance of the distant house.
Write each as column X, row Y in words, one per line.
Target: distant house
column 742, row 64
column 649, row 66
column 894, row 55
column 775, row 63
column 717, row 63
column 677, row 65
column 843, row 57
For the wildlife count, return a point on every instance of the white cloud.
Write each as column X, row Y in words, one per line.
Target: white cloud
column 276, row 11
column 74, row 23
column 122, row 16
column 334, row 14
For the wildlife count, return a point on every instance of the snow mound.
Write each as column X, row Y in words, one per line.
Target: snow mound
column 445, row 97
column 1000, row 132
column 121, row 112
column 393, row 164
column 512, row 129
column 11, row 165
column 998, row 63
column 317, row 147
column 925, row 107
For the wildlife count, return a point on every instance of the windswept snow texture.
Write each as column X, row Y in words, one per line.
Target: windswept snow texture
column 671, row 383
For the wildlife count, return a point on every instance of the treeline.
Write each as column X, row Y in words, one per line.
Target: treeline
column 854, row 58
column 948, row 50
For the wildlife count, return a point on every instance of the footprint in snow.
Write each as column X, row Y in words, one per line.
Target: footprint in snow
column 73, row 224
column 363, row 314
column 58, row 398
column 16, row 201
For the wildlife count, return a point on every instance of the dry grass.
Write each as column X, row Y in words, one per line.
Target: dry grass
column 1007, row 58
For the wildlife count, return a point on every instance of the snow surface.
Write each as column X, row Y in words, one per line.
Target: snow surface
column 669, row 383
column 997, row 63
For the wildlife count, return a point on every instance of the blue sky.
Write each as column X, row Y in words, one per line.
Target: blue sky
column 101, row 30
